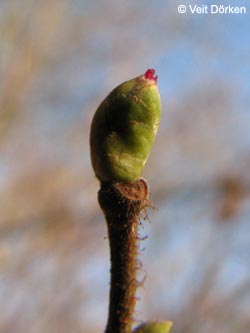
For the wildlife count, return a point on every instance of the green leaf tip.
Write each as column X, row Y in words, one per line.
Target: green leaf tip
column 154, row 327
column 123, row 129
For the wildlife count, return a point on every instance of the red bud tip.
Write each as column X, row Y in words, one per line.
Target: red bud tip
column 149, row 75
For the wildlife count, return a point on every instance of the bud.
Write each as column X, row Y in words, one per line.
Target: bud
column 154, row 327
column 124, row 128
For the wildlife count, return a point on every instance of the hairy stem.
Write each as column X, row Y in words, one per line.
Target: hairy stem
column 122, row 204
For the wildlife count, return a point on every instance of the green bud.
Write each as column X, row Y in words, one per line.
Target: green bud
column 154, row 327
column 124, row 128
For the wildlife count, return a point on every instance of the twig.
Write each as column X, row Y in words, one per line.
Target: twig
column 122, row 204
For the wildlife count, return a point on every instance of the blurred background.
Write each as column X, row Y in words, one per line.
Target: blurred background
column 58, row 60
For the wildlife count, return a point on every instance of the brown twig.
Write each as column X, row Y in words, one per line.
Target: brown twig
column 122, row 204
